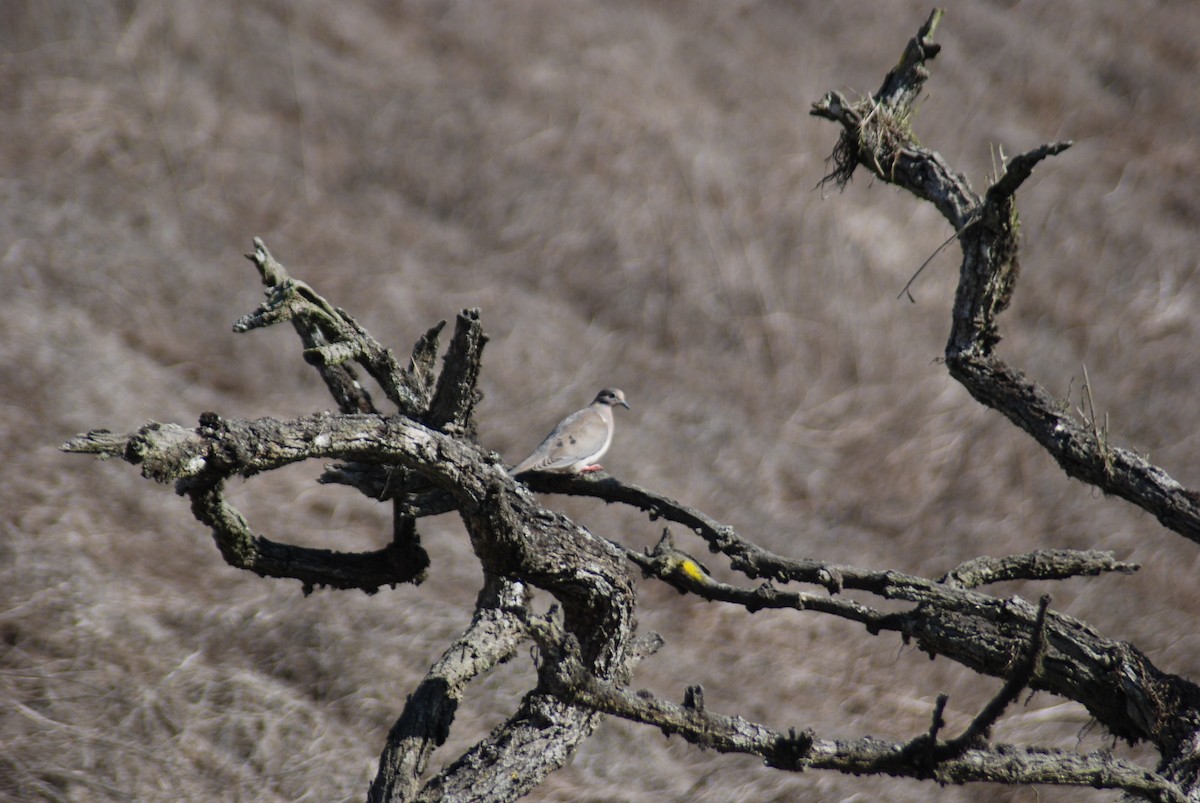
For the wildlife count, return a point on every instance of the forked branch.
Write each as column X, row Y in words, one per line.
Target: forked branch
column 955, row 762
column 876, row 134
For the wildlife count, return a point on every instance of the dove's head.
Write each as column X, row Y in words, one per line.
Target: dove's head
column 612, row 397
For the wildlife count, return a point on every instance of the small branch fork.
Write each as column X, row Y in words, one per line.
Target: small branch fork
column 979, row 731
column 493, row 637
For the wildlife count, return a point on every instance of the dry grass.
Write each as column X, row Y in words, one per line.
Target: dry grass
column 627, row 191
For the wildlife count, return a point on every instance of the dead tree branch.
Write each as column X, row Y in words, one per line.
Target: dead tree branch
column 798, row 750
column 494, row 635
column 876, row 134
column 522, row 545
column 1118, row 685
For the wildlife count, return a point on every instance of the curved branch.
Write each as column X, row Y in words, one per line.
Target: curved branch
column 756, row 562
column 1113, row 680
column 493, row 637
column 199, row 460
column 1075, row 446
column 1044, row 564
column 875, row 133
column 800, row 750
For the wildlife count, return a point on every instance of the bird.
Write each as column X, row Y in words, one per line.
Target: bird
column 579, row 440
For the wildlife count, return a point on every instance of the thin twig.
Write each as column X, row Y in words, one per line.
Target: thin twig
column 904, row 290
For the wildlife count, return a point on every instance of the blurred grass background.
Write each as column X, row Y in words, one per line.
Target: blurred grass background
column 627, row 190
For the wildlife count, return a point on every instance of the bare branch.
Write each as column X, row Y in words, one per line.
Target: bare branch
column 1021, row 168
column 1116, row 682
column 1113, row 469
column 331, row 337
column 282, row 293
column 511, row 535
column 539, row 738
column 875, row 134
column 1044, row 564
column 800, row 750
column 242, row 549
column 426, row 461
column 903, row 83
column 756, row 562
column 457, row 387
column 980, row 729
column 687, row 575
column 494, row 634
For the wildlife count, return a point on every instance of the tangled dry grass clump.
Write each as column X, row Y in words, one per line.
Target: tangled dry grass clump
column 626, row 192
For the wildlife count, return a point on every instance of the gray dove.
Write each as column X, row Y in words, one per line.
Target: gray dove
column 579, row 440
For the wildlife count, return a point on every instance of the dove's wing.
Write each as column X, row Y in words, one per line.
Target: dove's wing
column 580, row 438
